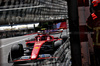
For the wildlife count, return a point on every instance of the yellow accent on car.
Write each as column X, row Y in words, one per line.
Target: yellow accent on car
column 43, row 28
column 36, row 47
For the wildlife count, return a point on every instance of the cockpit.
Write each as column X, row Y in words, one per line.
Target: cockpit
column 42, row 38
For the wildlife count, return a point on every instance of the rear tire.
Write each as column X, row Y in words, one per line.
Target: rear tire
column 57, row 44
column 64, row 38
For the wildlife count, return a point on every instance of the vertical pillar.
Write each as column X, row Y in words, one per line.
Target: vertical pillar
column 74, row 32
column 83, row 11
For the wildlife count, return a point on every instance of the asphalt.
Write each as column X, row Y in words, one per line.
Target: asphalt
column 5, row 47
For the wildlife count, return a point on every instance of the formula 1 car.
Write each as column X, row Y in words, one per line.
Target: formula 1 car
column 40, row 48
column 56, row 31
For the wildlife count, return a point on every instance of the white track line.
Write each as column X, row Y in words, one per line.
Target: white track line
column 15, row 42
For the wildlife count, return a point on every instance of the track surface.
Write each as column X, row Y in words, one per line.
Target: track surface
column 5, row 47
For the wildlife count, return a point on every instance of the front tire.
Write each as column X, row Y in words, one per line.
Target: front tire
column 17, row 51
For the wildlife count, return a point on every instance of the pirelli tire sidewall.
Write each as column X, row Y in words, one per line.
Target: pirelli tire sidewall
column 17, row 51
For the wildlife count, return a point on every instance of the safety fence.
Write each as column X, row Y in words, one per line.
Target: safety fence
column 16, row 11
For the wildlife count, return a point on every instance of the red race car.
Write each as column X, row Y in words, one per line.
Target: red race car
column 41, row 47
